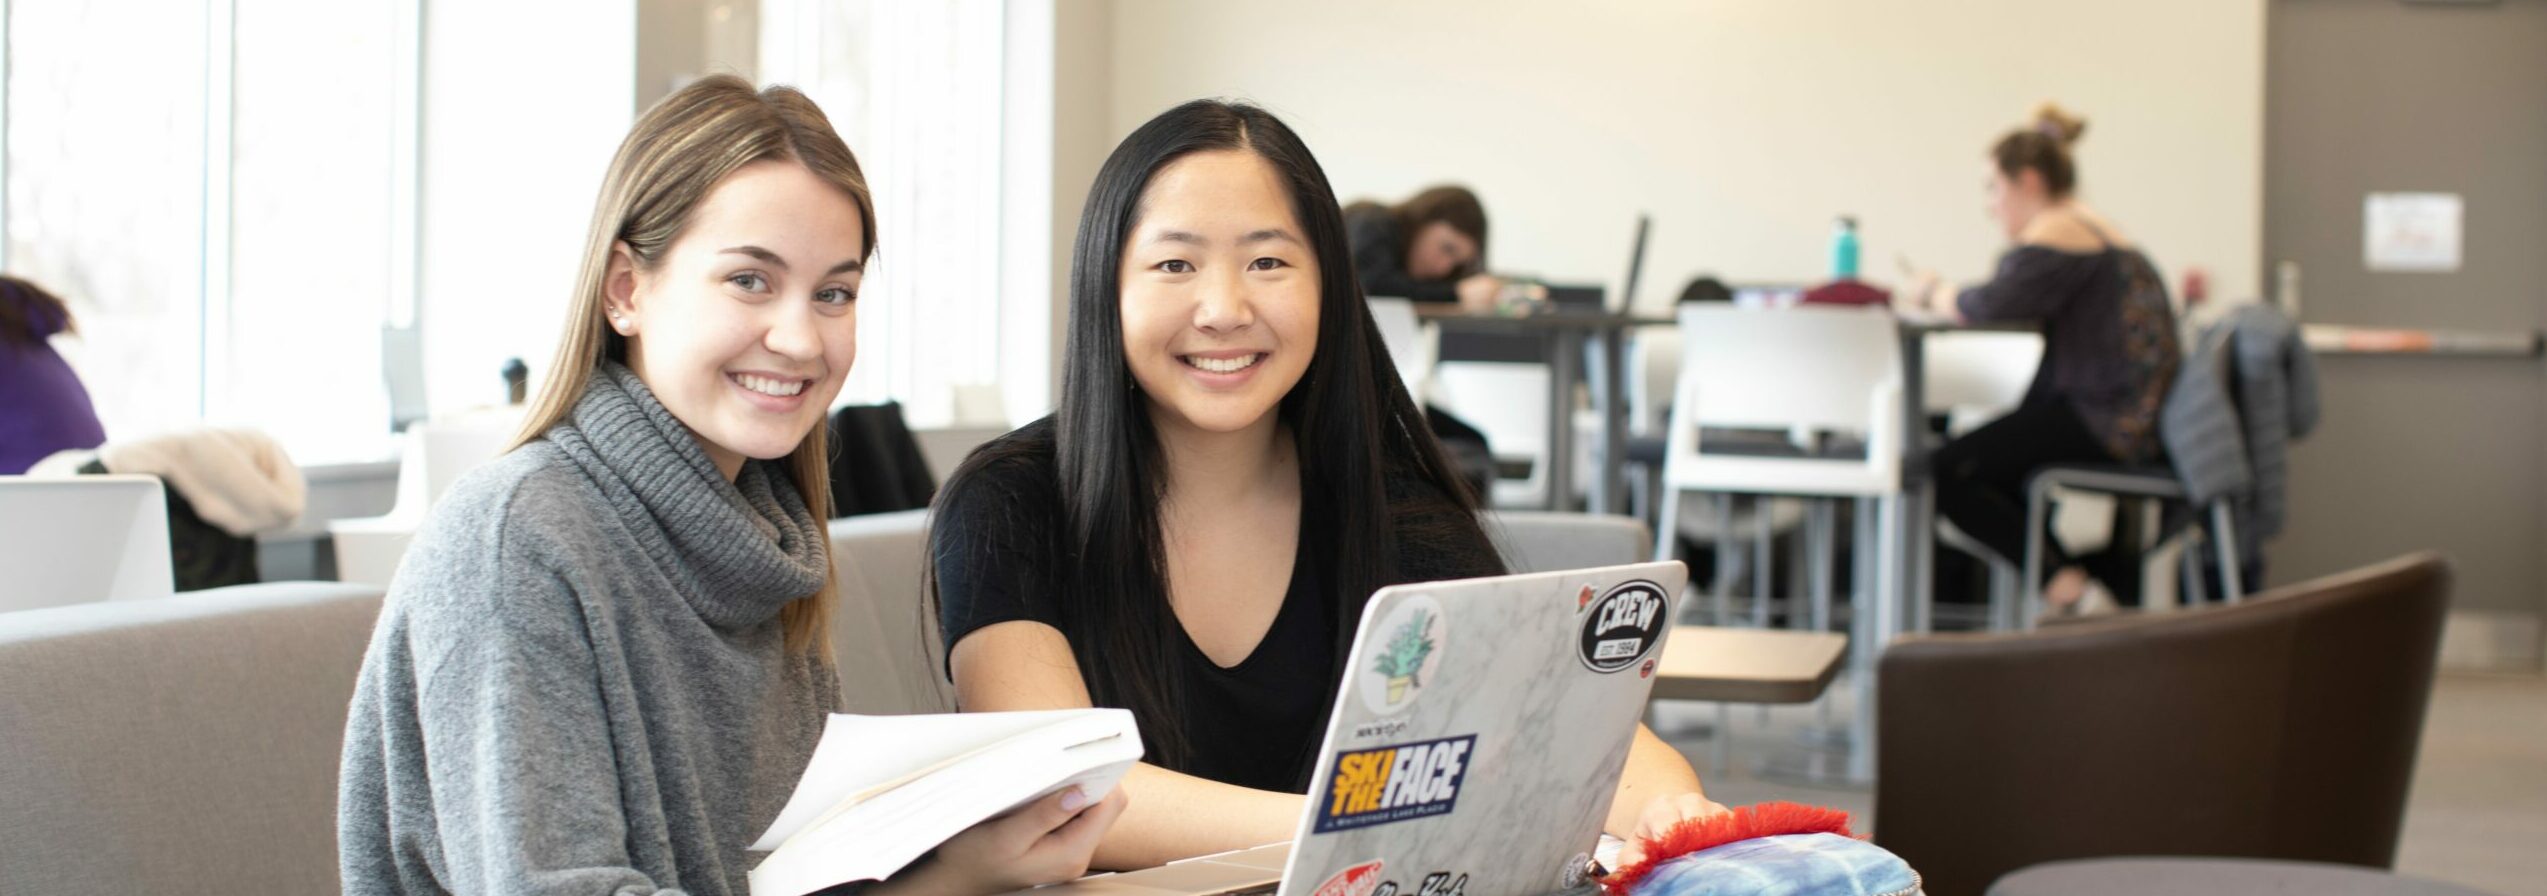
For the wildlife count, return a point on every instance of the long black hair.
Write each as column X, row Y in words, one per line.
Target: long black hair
column 1355, row 427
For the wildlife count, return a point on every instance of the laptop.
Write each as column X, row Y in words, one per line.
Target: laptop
column 83, row 538
column 1474, row 747
column 1626, row 303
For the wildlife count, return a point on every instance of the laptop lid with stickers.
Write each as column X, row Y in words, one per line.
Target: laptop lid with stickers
column 1480, row 733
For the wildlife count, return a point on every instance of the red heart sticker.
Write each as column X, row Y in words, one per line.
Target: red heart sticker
column 1583, row 600
column 1647, row 671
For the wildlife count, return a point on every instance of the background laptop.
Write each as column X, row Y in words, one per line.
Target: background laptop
column 83, row 538
column 1474, row 747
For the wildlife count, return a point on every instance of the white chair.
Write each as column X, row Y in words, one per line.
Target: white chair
column 1654, row 362
column 432, row 455
column 1973, row 377
column 1809, row 371
column 82, row 539
column 1507, row 402
column 1408, row 345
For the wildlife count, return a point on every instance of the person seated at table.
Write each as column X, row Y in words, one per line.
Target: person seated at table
column 2109, row 353
column 1429, row 248
column 1705, row 288
column 606, row 658
column 1194, row 534
column 44, row 409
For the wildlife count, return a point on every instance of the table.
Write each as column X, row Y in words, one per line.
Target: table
column 2205, row 876
column 1747, row 665
column 1565, row 332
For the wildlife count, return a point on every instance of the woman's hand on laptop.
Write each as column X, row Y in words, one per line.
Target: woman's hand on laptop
column 1660, row 815
column 1049, row 841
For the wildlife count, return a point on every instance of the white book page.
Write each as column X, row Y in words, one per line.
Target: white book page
column 860, row 753
column 876, row 833
column 900, row 825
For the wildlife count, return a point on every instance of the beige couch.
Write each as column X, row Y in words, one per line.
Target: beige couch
column 178, row 745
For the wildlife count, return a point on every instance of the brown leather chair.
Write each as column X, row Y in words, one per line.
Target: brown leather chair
column 2284, row 727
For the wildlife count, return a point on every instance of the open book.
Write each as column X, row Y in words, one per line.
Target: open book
column 884, row 790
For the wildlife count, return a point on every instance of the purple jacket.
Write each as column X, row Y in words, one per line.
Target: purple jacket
column 43, row 407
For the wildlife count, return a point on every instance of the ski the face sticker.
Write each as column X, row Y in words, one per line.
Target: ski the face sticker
column 1411, row 645
column 1623, row 626
column 1393, row 784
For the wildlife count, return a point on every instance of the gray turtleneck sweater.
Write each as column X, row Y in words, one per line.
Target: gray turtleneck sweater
column 579, row 683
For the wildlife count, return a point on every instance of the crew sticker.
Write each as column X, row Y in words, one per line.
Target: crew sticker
column 1385, row 785
column 1623, row 626
column 1359, row 880
column 1412, row 638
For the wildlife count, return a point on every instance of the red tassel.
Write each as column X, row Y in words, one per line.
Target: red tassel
column 1745, row 823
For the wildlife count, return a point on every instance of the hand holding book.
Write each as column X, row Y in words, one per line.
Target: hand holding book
column 1006, row 799
column 1048, row 841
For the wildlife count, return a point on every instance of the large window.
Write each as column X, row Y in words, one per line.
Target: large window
column 237, row 197
column 915, row 90
column 209, row 185
column 105, row 194
column 310, row 216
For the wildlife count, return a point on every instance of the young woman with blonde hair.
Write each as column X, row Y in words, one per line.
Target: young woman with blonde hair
column 603, row 663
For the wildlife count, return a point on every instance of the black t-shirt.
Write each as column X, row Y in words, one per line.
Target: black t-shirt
column 997, row 533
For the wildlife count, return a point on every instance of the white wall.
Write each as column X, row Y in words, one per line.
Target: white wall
column 1743, row 127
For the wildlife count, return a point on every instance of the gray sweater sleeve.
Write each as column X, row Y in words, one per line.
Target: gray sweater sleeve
column 520, row 791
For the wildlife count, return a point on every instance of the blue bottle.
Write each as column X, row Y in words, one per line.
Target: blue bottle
column 1844, row 249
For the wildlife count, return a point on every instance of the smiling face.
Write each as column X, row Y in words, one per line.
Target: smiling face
column 1439, row 251
column 747, row 325
column 1219, row 292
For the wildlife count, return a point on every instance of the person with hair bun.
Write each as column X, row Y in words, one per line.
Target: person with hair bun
column 2109, row 354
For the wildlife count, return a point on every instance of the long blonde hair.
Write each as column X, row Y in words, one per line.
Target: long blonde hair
column 673, row 157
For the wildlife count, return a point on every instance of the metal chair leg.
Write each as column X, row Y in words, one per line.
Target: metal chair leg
column 1667, row 532
column 2189, row 566
column 2224, row 530
column 1720, row 597
column 2037, row 495
column 1820, row 552
column 1763, row 583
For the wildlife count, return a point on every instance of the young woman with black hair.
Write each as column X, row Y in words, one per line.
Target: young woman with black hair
column 1234, row 468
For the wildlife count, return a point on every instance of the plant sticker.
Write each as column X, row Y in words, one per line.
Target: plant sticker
column 1410, row 650
column 1393, row 784
column 1624, row 625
